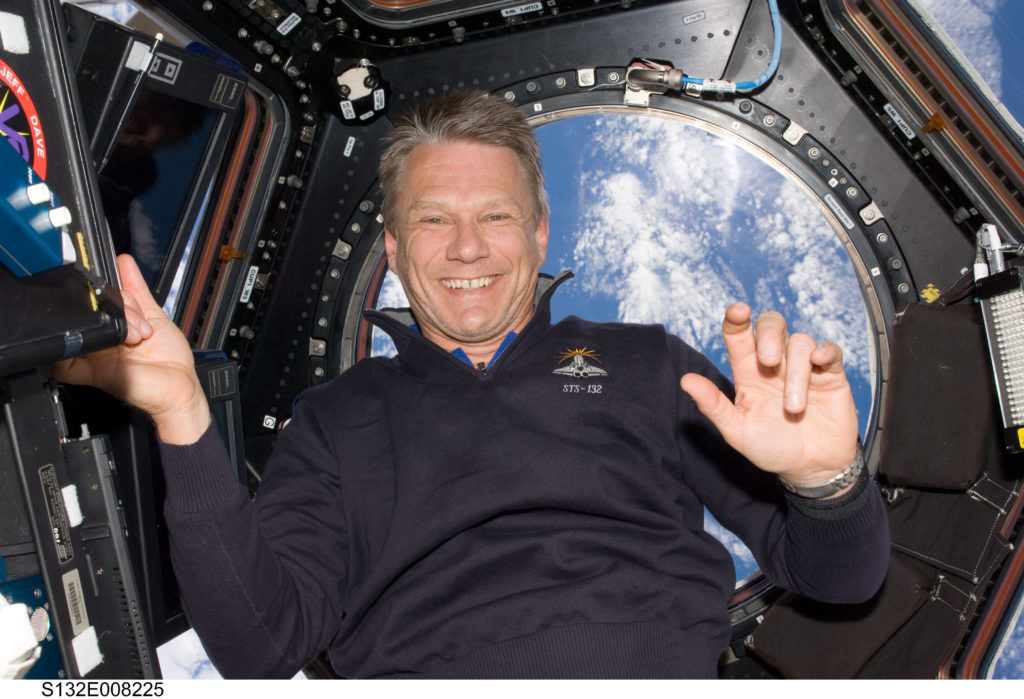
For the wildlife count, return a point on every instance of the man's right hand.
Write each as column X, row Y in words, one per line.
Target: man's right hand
column 152, row 370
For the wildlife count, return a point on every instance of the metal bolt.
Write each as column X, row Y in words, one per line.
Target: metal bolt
column 355, row 228
column 851, row 192
column 814, row 152
column 322, row 322
column 769, row 119
column 243, row 33
column 509, row 95
column 319, row 371
column 896, row 263
column 207, row 6
column 316, row 46
column 560, row 82
column 335, row 274
column 366, row 206
column 882, row 238
column 613, row 77
column 904, row 288
column 868, row 214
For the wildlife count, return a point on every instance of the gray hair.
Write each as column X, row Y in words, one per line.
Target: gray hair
column 470, row 116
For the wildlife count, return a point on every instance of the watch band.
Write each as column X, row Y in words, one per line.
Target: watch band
column 845, row 478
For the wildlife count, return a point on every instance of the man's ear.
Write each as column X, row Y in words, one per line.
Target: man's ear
column 390, row 245
column 541, row 236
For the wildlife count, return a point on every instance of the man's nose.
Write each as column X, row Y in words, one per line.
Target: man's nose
column 469, row 242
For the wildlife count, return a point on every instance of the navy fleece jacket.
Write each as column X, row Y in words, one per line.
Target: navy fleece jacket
column 420, row 518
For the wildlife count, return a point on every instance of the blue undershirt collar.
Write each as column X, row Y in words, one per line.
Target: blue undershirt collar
column 460, row 354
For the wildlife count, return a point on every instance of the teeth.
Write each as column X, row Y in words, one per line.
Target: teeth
column 477, row 283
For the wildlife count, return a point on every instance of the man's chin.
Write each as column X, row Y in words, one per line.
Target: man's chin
column 464, row 334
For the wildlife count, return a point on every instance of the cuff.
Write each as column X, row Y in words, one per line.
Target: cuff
column 841, row 507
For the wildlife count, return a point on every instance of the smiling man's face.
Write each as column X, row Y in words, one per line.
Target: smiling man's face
column 468, row 247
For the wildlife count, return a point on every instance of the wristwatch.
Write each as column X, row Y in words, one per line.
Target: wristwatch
column 822, row 489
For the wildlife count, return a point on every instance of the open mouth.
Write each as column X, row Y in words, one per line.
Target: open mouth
column 477, row 283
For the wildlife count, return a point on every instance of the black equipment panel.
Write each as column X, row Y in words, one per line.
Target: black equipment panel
column 61, row 523
column 74, row 308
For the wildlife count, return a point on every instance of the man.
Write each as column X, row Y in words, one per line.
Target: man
column 506, row 497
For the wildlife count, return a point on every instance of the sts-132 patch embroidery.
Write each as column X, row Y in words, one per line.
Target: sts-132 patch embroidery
column 578, row 366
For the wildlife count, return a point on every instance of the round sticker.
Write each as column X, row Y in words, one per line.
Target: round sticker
column 19, row 122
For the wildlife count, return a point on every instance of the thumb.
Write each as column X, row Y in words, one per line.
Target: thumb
column 133, row 283
column 714, row 404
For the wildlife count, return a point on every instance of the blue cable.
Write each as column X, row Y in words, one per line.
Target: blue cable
column 728, row 85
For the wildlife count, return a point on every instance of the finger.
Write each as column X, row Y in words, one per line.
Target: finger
column 712, row 403
column 72, row 371
column 135, row 284
column 139, row 328
column 772, row 337
column 828, row 358
column 798, row 372
column 738, row 334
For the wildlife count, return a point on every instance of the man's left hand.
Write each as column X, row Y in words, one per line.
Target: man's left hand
column 794, row 413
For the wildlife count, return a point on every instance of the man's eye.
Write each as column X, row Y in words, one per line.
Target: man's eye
column 497, row 217
column 432, row 219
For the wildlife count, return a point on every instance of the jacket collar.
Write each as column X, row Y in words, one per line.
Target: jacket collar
column 415, row 350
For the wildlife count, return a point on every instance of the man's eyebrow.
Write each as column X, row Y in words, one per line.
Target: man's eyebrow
column 496, row 202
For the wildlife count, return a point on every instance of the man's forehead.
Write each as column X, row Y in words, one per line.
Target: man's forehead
column 444, row 196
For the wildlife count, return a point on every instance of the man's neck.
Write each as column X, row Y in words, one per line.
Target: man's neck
column 478, row 353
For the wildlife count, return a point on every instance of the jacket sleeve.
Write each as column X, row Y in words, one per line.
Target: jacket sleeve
column 261, row 580
column 833, row 550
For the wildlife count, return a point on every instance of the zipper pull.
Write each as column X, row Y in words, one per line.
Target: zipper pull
column 481, row 367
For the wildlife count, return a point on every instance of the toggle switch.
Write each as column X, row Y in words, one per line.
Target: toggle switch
column 38, row 193
column 60, row 217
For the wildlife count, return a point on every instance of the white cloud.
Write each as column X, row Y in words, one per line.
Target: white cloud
column 742, row 557
column 392, row 295
column 970, row 23
column 678, row 222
